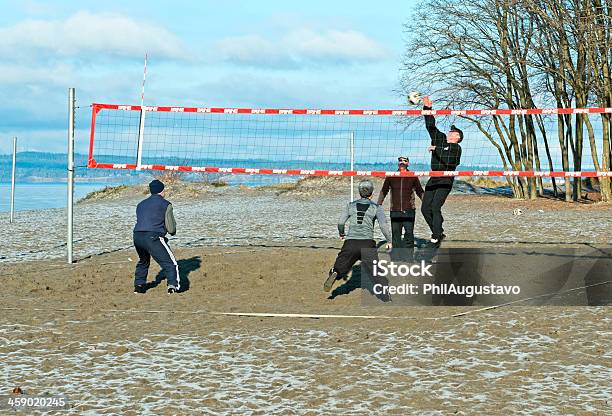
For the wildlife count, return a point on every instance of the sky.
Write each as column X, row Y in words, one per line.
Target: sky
column 269, row 53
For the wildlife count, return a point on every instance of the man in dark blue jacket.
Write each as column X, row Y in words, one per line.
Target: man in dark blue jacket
column 445, row 156
column 155, row 219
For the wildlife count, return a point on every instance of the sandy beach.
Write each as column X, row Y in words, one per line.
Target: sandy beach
column 240, row 216
column 259, row 122
column 79, row 331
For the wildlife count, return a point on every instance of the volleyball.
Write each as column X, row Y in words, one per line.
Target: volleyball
column 414, row 98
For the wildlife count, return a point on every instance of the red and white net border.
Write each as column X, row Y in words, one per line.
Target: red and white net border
column 306, row 172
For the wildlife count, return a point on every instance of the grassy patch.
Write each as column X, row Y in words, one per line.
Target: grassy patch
column 107, row 192
column 485, row 182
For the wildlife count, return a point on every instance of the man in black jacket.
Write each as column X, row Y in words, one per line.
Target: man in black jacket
column 154, row 219
column 445, row 156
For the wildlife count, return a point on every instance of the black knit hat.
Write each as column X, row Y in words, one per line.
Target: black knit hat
column 156, row 186
column 454, row 128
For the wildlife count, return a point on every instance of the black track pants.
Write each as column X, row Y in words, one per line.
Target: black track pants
column 402, row 231
column 149, row 245
column 436, row 191
column 353, row 250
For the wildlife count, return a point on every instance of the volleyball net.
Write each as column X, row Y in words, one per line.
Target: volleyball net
column 498, row 142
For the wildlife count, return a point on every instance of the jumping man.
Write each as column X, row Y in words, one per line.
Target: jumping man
column 445, row 156
column 402, row 207
column 361, row 215
column 155, row 218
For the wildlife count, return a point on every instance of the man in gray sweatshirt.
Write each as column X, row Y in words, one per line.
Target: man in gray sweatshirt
column 359, row 243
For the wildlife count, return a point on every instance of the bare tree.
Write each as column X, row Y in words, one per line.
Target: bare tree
column 573, row 52
column 479, row 57
column 520, row 54
column 599, row 56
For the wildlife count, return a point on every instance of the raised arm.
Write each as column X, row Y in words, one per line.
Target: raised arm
column 437, row 137
column 342, row 221
column 382, row 223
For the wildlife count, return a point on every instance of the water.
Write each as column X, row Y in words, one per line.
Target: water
column 30, row 196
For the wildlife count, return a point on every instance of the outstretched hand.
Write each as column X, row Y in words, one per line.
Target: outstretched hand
column 427, row 101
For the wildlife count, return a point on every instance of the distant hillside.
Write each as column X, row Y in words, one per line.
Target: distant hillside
column 41, row 166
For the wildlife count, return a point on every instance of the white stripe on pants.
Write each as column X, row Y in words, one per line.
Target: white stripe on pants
column 178, row 276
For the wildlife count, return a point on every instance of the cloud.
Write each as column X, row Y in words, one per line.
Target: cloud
column 335, row 45
column 88, row 35
column 254, row 50
column 302, row 47
column 291, row 89
column 14, row 74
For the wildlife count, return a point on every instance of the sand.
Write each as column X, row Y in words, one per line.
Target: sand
column 230, row 216
column 79, row 331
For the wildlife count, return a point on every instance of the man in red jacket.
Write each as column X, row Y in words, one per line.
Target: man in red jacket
column 403, row 211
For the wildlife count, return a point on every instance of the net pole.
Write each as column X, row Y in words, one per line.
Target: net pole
column 352, row 164
column 12, row 216
column 140, row 138
column 70, row 180
column 142, row 116
column 144, row 78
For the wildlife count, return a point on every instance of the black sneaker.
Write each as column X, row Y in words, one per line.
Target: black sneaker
column 171, row 290
column 329, row 282
column 433, row 243
column 140, row 289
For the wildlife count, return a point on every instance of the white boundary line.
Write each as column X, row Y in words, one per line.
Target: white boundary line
column 307, row 315
column 310, row 316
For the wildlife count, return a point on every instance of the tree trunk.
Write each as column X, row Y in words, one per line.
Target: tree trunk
column 547, row 148
column 579, row 137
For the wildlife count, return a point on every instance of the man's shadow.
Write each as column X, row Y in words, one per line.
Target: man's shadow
column 354, row 282
column 185, row 266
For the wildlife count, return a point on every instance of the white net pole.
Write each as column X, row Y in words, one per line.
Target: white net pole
column 142, row 116
column 70, row 173
column 352, row 164
column 140, row 139
column 12, row 216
